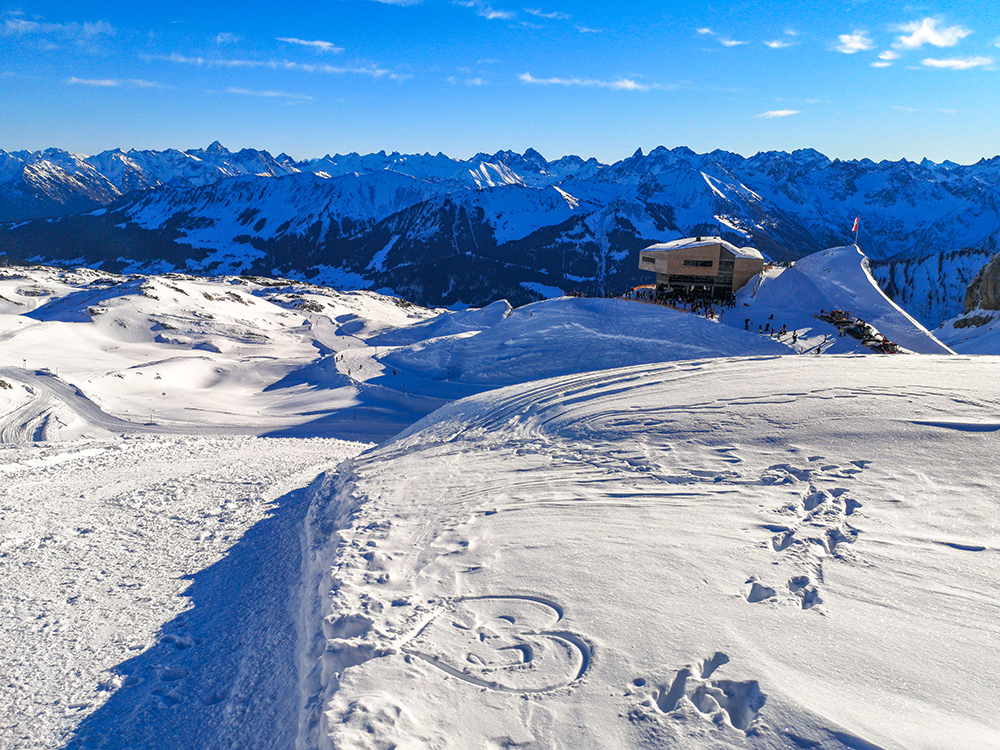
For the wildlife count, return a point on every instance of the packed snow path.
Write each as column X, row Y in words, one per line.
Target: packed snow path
column 147, row 590
column 747, row 553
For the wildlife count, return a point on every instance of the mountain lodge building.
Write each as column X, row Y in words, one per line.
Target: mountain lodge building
column 706, row 267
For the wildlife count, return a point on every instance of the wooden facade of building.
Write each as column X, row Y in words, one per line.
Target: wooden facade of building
column 706, row 267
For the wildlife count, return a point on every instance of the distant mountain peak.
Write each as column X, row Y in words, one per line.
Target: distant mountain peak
column 533, row 157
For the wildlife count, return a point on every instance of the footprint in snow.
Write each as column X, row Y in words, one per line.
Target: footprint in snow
column 695, row 690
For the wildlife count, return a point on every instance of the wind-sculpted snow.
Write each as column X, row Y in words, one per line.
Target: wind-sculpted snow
column 588, row 334
column 744, row 553
column 448, row 324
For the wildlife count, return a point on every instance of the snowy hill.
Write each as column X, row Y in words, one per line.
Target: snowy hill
column 690, row 534
column 837, row 278
column 174, row 353
column 564, row 224
column 710, row 554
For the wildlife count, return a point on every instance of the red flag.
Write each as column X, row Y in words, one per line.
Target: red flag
column 855, row 228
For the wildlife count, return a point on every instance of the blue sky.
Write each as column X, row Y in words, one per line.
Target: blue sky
column 883, row 80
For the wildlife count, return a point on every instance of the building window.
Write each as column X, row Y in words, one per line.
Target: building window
column 681, row 280
column 698, row 263
column 648, row 259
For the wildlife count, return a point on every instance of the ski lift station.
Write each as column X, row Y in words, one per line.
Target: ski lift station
column 706, row 267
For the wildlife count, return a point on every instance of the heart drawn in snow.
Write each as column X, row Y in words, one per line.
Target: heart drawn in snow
column 503, row 643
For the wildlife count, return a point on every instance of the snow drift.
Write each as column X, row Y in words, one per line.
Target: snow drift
column 749, row 553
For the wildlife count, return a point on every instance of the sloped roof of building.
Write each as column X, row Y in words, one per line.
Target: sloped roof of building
column 739, row 252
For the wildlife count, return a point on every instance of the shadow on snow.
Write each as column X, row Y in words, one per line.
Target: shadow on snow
column 223, row 673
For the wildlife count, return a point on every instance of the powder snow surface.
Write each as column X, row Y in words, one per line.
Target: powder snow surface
column 686, row 536
column 725, row 553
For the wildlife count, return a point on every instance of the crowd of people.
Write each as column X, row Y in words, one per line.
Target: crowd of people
column 699, row 305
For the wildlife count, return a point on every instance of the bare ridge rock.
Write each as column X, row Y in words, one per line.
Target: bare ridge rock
column 983, row 293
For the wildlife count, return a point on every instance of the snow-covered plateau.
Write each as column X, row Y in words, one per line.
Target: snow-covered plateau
column 258, row 513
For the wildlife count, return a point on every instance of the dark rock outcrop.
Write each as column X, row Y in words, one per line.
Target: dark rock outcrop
column 984, row 291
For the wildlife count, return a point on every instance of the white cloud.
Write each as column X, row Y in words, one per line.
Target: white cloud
column 625, row 84
column 856, row 42
column 587, row 30
column 553, row 16
column 96, row 82
column 731, row 42
column 959, row 64
column 14, row 25
column 319, row 45
column 486, row 10
column 268, row 94
column 705, row 30
column 49, row 36
column 779, row 44
column 888, row 55
column 398, row 2
column 622, row 84
column 132, row 83
column 881, row 64
column 779, row 113
column 366, row 70
column 227, row 38
column 919, row 33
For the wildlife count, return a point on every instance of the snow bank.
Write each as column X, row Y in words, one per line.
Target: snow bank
column 571, row 334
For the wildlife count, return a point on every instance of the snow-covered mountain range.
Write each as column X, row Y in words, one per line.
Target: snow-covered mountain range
column 443, row 231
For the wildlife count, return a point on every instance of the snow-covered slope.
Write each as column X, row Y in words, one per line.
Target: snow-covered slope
column 933, row 288
column 976, row 332
column 751, row 553
column 834, row 279
column 94, row 354
column 682, row 538
column 575, row 335
column 90, row 354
